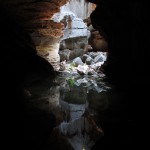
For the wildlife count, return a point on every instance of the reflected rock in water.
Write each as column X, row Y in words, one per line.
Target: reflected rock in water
column 75, row 95
column 74, row 107
column 79, row 104
column 81, row 133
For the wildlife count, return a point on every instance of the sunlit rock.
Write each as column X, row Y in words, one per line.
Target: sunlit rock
column 77, row 61
column 75, row 33
column 89, row 60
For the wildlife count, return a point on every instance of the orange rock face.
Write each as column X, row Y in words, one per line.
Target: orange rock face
column 36, row 18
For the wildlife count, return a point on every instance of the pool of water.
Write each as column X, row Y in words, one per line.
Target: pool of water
column 86, row 113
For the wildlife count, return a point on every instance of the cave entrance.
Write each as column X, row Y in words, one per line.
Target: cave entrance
column 79, row 89
column 82, row 49
column 73, row 110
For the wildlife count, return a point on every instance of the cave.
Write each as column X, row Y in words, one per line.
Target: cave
column 109, row 110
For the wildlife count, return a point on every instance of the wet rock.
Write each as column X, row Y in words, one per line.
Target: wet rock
column 78, row 61
column 85, row 126
column 96, row 66
column 74, row 73
column 95, row 54
column 98, row 58
column 64, row 55
column 89, row 60
column 84, row 82
column 92, row 54
column 84, row 57
column 91, row 72
column 65, row 73
column 82, row 69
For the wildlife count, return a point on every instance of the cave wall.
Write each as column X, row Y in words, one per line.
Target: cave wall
column 124, row 25
column 36, row 17
column 20, row 67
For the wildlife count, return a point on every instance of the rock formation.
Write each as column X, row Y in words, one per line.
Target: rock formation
column 37, row 19
column 123, row 23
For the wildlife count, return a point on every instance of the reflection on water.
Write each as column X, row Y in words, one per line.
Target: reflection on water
column 74, row 101
column 79, row 96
